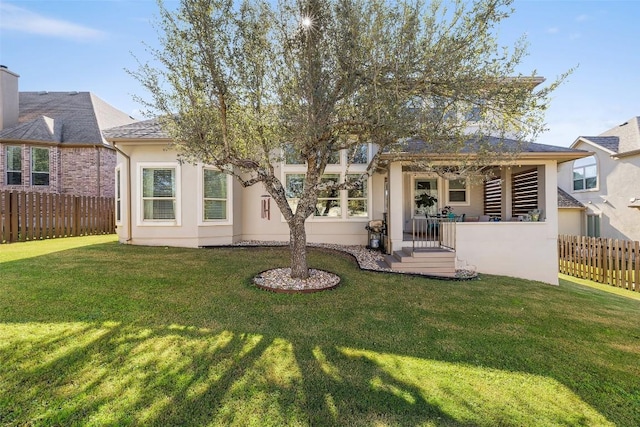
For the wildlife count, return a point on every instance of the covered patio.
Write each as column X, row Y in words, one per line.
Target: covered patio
column 506, row 224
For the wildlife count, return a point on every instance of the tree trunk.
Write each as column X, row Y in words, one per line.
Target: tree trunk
column 298, row 247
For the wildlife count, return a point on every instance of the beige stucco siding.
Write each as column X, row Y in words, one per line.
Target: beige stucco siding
column 570, row 221
column 618, row 182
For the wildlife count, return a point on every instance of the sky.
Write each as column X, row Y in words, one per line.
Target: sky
column 87, row 45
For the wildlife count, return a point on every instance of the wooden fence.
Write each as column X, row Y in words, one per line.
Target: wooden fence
column 33, row 216
column 612, row 262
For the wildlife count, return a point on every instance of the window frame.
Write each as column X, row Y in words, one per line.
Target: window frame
column 177, row 220
column 201, row 199
column 33, row 167
column 466, row 190
column 13, row 171
column 118, row 195
column 342, row 169
column 585, row 178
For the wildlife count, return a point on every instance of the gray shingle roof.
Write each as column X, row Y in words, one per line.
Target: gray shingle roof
column 504, row 144
column 147, row 129
column 628, row 134
column 611, row 143
column 565, row 200
column 620, row 139
column 77, row 117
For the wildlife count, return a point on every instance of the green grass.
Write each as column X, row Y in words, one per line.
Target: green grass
column 109, row 334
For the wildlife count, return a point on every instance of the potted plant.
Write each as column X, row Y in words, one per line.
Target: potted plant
column 425, row 200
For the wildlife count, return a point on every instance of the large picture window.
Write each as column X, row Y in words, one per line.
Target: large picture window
column 585, row 174
column 159, row 194
column 215, row 195
column 39, row 166
column 14, row 165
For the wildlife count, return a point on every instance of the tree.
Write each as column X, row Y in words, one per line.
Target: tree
column 240, row 86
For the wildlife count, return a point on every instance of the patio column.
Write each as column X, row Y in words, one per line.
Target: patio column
column 507, row 193
column 548, row 174
column 395, row 206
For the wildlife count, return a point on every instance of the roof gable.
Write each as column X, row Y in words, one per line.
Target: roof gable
column 42, row 128
column 78, row 117
column 621, row 139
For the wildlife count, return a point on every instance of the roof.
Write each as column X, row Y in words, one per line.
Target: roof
column 624, row 138
column 415, row 147
column 69, row 118
column 565, row 200
column 146, row 129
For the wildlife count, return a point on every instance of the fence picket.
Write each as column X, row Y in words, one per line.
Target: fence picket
column 612, row 262
column 34, row 216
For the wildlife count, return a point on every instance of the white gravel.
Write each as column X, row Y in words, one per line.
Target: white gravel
column 280, row 278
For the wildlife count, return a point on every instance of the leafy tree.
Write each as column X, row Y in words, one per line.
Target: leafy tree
column 241, row 86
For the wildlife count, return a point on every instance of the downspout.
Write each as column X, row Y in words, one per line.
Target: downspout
column 129, row 236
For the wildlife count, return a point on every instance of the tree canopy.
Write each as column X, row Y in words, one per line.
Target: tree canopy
column 239, row 85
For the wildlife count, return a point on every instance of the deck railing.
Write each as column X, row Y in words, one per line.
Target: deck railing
column 434, row 232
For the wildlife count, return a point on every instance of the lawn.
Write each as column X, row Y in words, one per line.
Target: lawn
column 97, row 333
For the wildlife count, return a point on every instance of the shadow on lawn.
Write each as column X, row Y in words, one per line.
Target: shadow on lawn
column 164, row 345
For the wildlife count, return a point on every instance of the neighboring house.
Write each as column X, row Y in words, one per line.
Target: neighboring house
column 52, row 141
column 162, row 201
column 607, row 184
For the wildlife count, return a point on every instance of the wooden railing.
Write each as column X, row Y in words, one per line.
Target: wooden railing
column 612, row 262
column 433, row 233
column 33, row 216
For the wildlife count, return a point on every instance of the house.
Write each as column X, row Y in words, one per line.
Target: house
column 162, row 201
column 52, row 142
column 607, row 184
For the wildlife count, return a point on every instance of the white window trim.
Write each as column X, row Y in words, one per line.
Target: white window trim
column 344, row 198
column 467, row 190
column 415, row 178
column 213, row 222
column 118, row 170
column 141, row 222
column 584, row 180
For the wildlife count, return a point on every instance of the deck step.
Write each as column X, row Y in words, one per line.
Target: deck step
column 434, row 262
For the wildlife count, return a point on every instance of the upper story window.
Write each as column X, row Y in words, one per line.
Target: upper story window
column 39, row 166
column 585, row 174
column 214, row 195
column 14, row 165
column 358, row 155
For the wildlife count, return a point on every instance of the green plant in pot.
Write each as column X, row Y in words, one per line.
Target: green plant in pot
column 425, row 200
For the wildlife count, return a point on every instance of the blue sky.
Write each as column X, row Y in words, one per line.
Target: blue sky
column 86, row 45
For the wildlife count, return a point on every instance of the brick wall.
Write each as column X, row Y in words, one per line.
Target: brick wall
column 81, row 171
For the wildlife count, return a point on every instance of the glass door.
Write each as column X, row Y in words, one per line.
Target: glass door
column 425, row 193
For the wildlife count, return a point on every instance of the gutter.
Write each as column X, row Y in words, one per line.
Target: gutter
column 129, row 236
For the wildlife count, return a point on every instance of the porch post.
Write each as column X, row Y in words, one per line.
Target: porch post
column 395, row 206
column 549, row 179
column 507, row 193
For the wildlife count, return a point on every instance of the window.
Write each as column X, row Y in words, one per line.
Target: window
column 358, row 155
column 39, row 166
column 14, row 165
column 585, row 174
column 214, row 194
column 328, row 203
column 118, row 196
column 458, row 191
column 159, row 194
column 593, row 225
column 425, row 192
column 294, row 185
column 357, row 198
column 291, row 156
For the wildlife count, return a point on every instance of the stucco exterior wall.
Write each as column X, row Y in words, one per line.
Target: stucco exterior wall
column 617, row 183
column 520, row 249
column 570, row 222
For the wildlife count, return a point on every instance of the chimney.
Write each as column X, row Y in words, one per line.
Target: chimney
column 8, row 98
